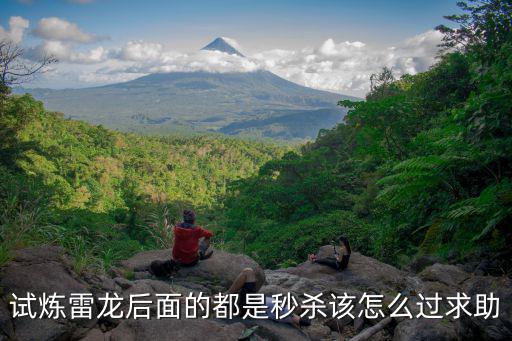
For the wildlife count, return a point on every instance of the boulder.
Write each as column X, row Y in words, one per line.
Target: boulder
column 420, row 262
column 479, row 328
column 450, row 275
column 216, row 272
column 6, row 325
column 425, row 330
column 272, row 330
column 174, row 329
column 96, row 335
column 44, row 269
column 363, row 273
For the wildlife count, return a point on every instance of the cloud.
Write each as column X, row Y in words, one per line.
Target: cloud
column 139, row 51
column 58, row 29
column 65, row 52
column 17, row 27
column 343, row 67
column 152, row 57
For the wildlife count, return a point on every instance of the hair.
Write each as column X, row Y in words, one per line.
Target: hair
column 189, row 216
column 345, row 242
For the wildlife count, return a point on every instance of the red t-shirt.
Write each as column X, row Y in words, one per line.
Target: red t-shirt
column 186, row 243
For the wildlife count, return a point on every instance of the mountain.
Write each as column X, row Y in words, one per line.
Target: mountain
column 220, row 44
column 258, row 103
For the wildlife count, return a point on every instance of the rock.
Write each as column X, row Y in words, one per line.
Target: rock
column 363, row 273
column 318, row 331
column 219, row 271
column 6, row 325
column 42, row 254
column 95, row 335
column 100, row 283
column 44, row 269
column 421, row 262
column 272, row 330
column 142, row 260
column 151, row 286
column 174, row 329
column 478, row 327
column 450, row 275
column 123, row 283
column 425, row 330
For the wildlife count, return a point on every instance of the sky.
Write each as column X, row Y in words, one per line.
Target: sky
column 333, row 45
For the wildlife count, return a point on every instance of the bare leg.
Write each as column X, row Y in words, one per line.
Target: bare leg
column 246, row 276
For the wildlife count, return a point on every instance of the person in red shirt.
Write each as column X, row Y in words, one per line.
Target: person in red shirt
column 191, row 241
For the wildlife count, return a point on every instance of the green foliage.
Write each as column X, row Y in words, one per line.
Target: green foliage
column 424, row 164
column 101, row 194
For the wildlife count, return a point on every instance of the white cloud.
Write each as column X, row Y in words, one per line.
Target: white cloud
column 65, row 52
column 345, row 67
column 139, row 51
column 17, row 27
column 62, row 30
column 342, row 67
column 152, row 57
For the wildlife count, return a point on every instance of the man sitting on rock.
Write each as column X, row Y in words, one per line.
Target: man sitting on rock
column 191, row 242
column 245, row 283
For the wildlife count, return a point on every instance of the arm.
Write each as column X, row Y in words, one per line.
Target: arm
column 206, row 234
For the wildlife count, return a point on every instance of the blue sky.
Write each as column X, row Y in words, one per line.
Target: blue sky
column 258, row 26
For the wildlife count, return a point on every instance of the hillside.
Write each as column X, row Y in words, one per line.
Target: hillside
column 104, row 194
column 422, row 166
column 199, row 101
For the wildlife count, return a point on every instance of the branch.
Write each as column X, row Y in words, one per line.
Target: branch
column 369, row 332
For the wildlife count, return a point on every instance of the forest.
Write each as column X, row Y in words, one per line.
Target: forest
column 421, row 166
column 105, row 195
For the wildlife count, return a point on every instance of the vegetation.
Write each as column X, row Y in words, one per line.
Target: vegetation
column 422, row 166
column 101, row 194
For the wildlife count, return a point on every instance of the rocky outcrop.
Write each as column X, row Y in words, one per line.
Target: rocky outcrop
column 214, row 274
column 49, row 269
column 197, row 330
column 43, row 270
column 425, row 330
column 363, row 273
column 478, row 328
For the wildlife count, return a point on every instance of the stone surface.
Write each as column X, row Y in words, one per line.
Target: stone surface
column 220, row 270
column 44, row 269
column 425, row 330
column 479, row 328
column 96, row 335
column 448, row 274
column 363, row 272
column 173, row 329
column 6, row 325
column 272, row 330
column 48, row 269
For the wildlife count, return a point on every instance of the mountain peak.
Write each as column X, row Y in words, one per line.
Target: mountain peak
column 223, row 44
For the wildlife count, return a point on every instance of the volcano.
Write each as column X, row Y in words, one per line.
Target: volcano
column 256, row 104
